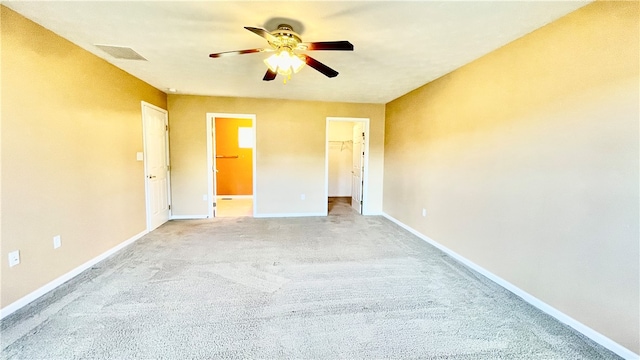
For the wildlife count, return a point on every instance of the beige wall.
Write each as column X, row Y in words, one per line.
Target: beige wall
column 71, row 127
column 290, row 151
column 527, row 163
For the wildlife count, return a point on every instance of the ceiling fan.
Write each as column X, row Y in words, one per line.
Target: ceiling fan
column 286, row 43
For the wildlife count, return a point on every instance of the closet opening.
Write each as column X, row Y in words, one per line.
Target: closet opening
column 347, row 158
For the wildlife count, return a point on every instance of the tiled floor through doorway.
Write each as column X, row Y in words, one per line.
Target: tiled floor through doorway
column 227, row 206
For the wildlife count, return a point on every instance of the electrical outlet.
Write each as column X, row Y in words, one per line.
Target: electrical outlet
column 14, row 258
column 56, row 242
column 424, row 212
column 302, row 196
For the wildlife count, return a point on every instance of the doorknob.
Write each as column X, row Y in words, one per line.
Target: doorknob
column 152, row 176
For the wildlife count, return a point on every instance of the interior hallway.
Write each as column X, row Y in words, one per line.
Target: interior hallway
column 341, row 286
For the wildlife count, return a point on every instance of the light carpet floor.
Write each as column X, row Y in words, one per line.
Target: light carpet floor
column 336, row 287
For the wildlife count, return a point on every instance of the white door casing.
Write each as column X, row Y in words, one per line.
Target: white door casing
column 357, row 167
column 211, row 158
column 156, row 165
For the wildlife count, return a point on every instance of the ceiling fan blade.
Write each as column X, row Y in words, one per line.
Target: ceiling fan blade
column 328, row 45
column 327, row 71
column 262, row 32
column 269, row 75
column 237, row 52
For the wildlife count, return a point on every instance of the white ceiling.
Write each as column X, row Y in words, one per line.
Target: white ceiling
column 399, row 45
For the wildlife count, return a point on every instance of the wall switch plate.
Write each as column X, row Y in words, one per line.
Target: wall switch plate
column 302, row 196
column 14, row 258
column 205, row 197
column 424, row 212
column 140, row 156
column 56, row 242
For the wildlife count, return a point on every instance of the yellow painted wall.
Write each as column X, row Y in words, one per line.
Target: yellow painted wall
column 527, row 163
column 290, row 151
column 71, row 127
column 234, row 175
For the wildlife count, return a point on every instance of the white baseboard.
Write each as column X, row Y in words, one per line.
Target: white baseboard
column 188, row 217
column 288, row 215
column 559, row 315
column 25, row 300
column 283, row 215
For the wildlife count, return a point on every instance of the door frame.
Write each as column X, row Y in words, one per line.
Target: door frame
column 147, row 200
column 211, row 152
column 365, row 176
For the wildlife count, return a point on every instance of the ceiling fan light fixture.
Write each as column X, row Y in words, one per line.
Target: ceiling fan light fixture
column 296, row 63
column 284, row 62
column 272, row 62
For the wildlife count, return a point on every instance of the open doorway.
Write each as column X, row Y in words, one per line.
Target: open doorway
column 231, row 158
column 347, row 157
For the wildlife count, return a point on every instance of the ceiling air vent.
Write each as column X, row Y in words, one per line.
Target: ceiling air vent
column 121, row 52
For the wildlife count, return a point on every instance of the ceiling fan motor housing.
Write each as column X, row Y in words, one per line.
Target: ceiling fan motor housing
column 285, row 37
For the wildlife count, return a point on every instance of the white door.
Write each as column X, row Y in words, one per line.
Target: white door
column 155, row 126
column 358, row 168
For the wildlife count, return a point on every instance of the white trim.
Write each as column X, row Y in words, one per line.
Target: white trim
column 365, row 185
column 25, row 300
column 211, row 159
column 210, row 164
column 288, row 215
column 188, row 217
column 559, row 315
